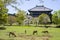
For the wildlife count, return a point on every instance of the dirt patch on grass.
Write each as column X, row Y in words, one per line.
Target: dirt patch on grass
column 27, row 37
column 32, row 37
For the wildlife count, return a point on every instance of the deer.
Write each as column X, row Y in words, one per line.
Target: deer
column 35, row 32
column 12, row 33
column 45, row 32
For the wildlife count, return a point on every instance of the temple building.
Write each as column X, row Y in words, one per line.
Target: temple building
column 35, row 12
column 38, row 10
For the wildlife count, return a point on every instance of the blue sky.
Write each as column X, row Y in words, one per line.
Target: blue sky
column 26, row 5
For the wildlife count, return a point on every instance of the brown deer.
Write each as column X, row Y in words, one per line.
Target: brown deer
column 45, row 32
column 46, row 35
column 12, row 33
column 35, row 32
column 25, row 31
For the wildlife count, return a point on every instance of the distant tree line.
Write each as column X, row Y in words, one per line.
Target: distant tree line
column 20, row 16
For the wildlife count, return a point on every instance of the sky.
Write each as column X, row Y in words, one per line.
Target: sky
column 26, row 5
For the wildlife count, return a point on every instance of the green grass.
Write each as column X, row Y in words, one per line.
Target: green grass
column 55, row 32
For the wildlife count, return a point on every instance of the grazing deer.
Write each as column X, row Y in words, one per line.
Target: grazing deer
column 12, row 33
column 45, row 32
column 35, row 32
column 46, row 35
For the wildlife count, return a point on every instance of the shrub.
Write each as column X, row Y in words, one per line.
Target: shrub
column 58, row 26
column 2, row 28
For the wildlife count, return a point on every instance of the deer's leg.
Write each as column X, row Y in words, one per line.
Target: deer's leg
column 9, row 34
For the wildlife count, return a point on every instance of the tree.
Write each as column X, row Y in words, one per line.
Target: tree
column 3, row 13
column 56, row 17
column 44, row 18
column 10, row 2
column 35, row 21
column 3, row 18
column 11, row 19
column 20, row 16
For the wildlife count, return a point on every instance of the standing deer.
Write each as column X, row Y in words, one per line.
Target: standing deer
column 25, row 31
column 35, row 32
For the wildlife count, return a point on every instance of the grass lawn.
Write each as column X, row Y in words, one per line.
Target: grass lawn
column 54, row 32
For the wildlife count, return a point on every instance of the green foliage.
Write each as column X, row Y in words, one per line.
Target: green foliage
column 3, row 18
column 20, row 16
column 2, row 28
column 56, row 17
column 7, row 2
column 44, row 18
column 3, row 13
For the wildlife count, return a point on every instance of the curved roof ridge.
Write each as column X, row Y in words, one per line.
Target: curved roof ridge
column 40, row 8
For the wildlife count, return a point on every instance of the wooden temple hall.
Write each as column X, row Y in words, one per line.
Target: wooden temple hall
column 38, row 10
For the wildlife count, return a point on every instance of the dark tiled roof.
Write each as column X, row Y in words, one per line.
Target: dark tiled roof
column 11, row 15
column 40, row 8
